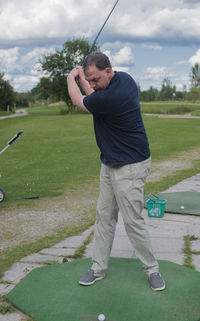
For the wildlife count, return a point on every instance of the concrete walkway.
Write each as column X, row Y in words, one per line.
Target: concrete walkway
column 167, row 235
column 18, row 113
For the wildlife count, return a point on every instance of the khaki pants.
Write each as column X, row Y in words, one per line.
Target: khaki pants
column 122, row 189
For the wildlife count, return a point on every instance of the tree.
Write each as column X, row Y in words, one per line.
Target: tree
column 58, row 65
column 195, row 76
column 7, row 93
column 149, row 95
column 43, row 89
column 167, row 91
column 22, row 100
column 194, row 94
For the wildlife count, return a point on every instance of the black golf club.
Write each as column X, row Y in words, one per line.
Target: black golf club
column 12, row 140
column 2, row 192
column 95, row 40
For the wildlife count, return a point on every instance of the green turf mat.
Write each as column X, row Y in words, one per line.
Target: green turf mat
column 177, row 200
column 52, row 293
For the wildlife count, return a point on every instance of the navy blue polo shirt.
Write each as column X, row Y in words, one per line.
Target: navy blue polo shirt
column 118, row 124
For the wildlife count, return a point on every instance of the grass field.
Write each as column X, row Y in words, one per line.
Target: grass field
column 54, row 152
column 58, row 152
column 175, row 107
column 5, row 113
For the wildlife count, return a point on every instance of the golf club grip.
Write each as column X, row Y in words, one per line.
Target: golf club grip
column 15, row 137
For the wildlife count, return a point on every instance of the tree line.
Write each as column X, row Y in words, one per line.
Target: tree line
column 9, row 98
column 56, row 66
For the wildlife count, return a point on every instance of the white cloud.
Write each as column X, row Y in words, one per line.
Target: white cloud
column 160, row 21
column 116, row 45
column 153, row 47
column 155, row 73
column 27, row 67
column 181, row 81
column 182, row 62
column 44, row 20
column 179, row 86
column 124, row 57
column 196, row 58
column 26, row 82
column 8, row 59
column 37, row 70
column 36, row 53
column 154, row 76
column 132, row 27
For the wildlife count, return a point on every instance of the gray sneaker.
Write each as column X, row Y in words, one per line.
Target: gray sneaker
column 156, row 281
column 89, row 278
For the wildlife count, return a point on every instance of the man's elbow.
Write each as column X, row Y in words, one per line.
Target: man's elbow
column 79, row 103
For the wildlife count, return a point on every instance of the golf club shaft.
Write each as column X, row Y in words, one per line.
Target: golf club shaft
column 3, row 150
column 95, row 40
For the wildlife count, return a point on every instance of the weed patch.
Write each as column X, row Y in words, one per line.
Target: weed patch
column 5, row 306
column 188, row 251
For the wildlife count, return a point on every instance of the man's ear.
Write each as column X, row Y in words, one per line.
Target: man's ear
column 108, row 70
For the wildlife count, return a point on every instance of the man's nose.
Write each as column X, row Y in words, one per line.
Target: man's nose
column 92, row 84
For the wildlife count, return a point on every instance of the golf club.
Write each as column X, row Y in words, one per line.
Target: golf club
column 95, row 40
column 12, row 141
column 2, row 192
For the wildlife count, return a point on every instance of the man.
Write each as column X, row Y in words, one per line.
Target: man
column 112, row 98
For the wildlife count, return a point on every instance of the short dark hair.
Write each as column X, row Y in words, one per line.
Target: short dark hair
column 100, row 60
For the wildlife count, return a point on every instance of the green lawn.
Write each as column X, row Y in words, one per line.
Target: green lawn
column 53, row 153
column 171, row 107
column 59, row 152
column 5, row 113
column 170, row 136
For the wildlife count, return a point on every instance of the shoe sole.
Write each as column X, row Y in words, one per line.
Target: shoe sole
column 158, row 289
column 92, row 282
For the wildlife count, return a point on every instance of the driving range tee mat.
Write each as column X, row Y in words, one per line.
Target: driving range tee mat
column 52, row 293
column 179, row 202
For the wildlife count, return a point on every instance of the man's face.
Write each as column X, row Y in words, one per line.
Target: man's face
column 98, row 79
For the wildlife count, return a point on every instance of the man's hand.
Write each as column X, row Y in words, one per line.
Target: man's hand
column 74, row 73
column 73, row 89
column 81, row 74
column 83, row 82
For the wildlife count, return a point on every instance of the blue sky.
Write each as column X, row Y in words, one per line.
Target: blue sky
column 151, row 40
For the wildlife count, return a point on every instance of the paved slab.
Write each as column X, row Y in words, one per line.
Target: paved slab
column 6, row 288
column 189, row 184
column 195, row 245
column 73, row 241
column 58, row 251
column 41, row 258
column 18, row 271
column 17, row 316
column 196, row 262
